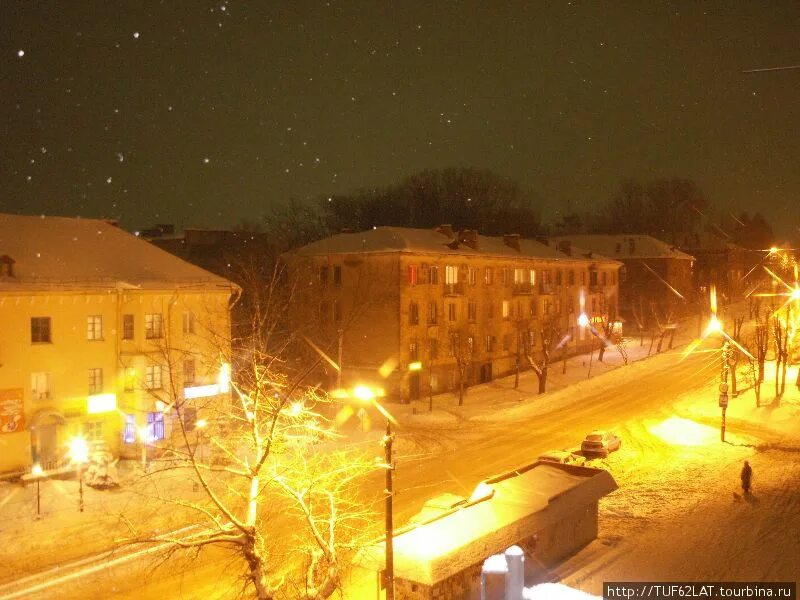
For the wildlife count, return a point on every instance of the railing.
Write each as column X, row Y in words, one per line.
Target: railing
column 454, row 289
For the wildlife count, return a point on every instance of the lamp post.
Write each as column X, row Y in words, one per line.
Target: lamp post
column 583, row 321
column 387, row 441
column 201, row 426
column 38, row 473
column 723, row 387
column 79, row 454
column 144, row 437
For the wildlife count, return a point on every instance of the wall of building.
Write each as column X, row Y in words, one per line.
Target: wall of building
column 65, row 405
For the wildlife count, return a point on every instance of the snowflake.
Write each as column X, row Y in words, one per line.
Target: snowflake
column 206, row 160
column 136, row 35
column 120, row 157
column 108, row 179
column 20, row 53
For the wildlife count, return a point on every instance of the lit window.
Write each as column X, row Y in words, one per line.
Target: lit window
column 129, row 433
column 95, row 381
column 155, row 425
column 487, row 276
column 188, row 322
column 40, row 330
column 153, row 326
column 152, row 377
column 505, row 309
column 94, row 327
column 41, row 386
column 130, row 379
column 451, row 274
column 413, row 274
column 519, row 276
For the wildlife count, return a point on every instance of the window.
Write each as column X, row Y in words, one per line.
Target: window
column 570, row 277
column 594, row 305
column 152, row 377
column 188, row 371
column 505, row 309
column 489, row 343
column 413, row 274
column 40, row 330
column 558, row 306
column 188, row 322
column 153, row 326
column 547, row 307
column 130, row 379
column 506, row 342
column 505, row 276
column 323, row 274
column 472, row 311
column 451, row 311
column 519, row 276
column 433, row 348
column 93, row 431
column 583, row 277
column 472, row 273
column 155, row 425
column 603, row 278
column 129, row 433
column 127, row 327
column 487, row 276
column 490, row 310
column 532, row 276
column 337, row 311
column 94, row 327
column 434, row 383
column 559, row 280
column 337, row 275
column 593, row 278
column 413, row 351
column 623, row 274
column 41, row 386
column 432, row 314
column 532, row 308
column 95, row 381
column 470, row 344
column 433, row 275
column 614, row 276
column 451, row 274
column 413, row 313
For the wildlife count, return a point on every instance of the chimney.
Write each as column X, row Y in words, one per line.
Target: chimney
column 469, row 237
column 564, row 246
column 446, row 230
column 511, row 240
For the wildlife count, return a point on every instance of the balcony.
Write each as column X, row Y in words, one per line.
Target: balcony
column 547, row 288
column 454, row 289
column 523, row 289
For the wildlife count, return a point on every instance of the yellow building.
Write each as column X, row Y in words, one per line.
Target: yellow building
column 402, row 307
column 102, row 333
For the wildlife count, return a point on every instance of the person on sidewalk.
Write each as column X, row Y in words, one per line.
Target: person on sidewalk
column 747, row 476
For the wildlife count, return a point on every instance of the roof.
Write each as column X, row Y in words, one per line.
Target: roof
column 431, row 241
column 61, row 252
column 625, row 246
column 521, row 503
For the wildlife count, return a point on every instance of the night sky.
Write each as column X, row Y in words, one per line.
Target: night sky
column 205, row 113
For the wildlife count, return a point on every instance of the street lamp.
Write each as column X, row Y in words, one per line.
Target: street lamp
column 201, row 425
column 144, row 437
column 79, row 454
column 38, row 473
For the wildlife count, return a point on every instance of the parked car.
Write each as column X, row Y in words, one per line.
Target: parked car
column 600, row 443
column 558, row 456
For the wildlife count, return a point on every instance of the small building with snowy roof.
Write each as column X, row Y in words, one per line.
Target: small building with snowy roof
column 656, row 283
column 453, row 303
column 549, row 510
column 87, row 312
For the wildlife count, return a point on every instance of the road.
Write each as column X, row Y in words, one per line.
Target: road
column 449, row 458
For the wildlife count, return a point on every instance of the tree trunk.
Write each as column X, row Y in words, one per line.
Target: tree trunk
column 671, row 337
column 516, row 372
column 543, row 380
column 460, row 387
column 652, row 341
column 734, row 391
column 602, row 350
column 257, row 575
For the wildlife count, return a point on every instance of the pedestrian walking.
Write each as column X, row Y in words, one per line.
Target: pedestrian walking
column 747, row 476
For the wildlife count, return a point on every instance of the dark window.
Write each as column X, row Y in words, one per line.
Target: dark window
column 433, row 275
column 570, row 277
column 413, row 313
column 153, row 326
column 127, row 327
column 413, row 274
column 337, row 275
column 451, row 311
column 593, row 278
column 323, row 274
column 558, row 278
column 603, row 278
column 40, row 330
column 472, row 312
column 95, row 381
column 433, row 348
column 432, row 314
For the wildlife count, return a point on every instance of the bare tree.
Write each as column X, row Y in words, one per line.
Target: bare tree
column 270, row 493
column 540, row 362
column 780, row 332
column 462, row 348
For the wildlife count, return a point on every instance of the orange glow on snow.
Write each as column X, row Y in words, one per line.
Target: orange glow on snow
column 684, row 432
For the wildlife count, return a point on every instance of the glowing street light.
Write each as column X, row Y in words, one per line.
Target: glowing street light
column 79, row 454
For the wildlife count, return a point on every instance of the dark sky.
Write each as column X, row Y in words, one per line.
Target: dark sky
column 204, row 113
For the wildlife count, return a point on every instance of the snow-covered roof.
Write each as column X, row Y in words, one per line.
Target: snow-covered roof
column 432, row 241
column 520, row 504
column 625, row 246
column 61, row 252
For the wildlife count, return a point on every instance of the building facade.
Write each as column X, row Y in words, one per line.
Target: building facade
column 411, row 310
column 102, row 334
column 656, row 283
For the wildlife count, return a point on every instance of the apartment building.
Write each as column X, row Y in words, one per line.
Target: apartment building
column 102, row 333
column 656, row 282
column 402, row 308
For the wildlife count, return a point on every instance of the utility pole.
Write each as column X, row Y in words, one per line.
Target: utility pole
column 389, row 491
column 723, row 387
column 339, row 361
